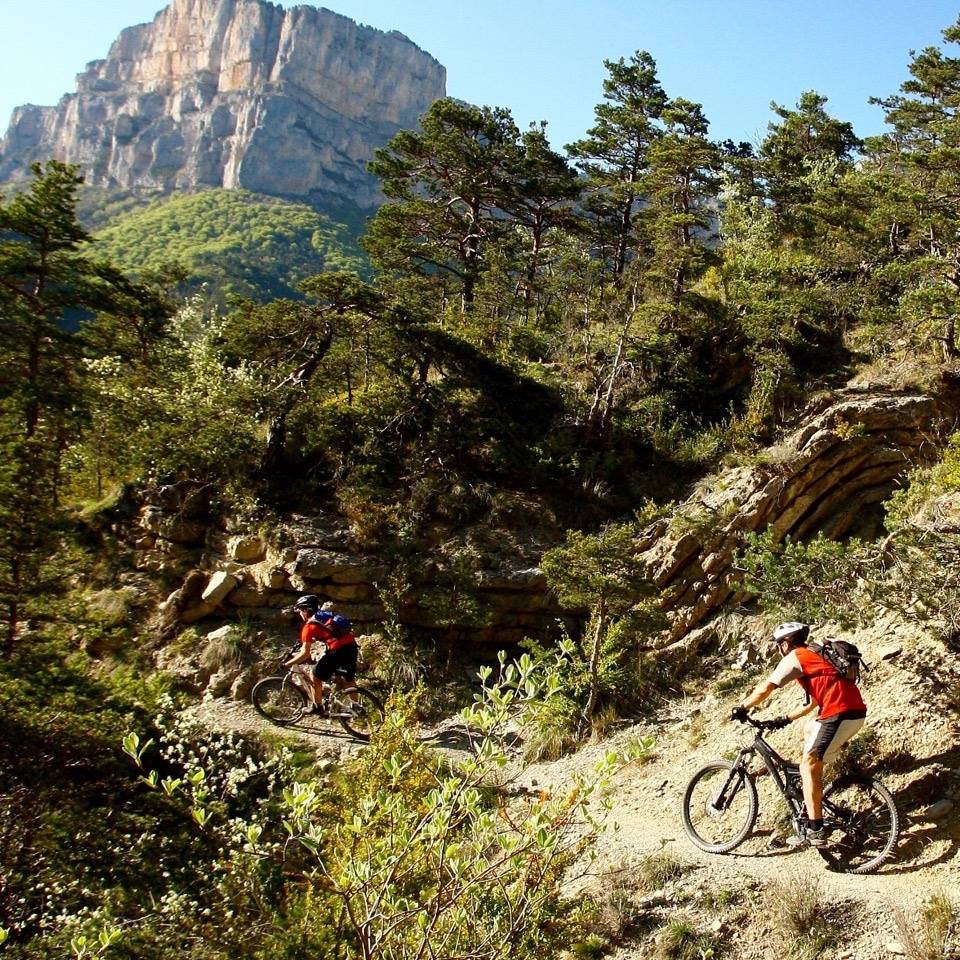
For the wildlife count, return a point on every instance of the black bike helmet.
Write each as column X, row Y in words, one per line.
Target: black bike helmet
column 309, row 602
column 793, row 632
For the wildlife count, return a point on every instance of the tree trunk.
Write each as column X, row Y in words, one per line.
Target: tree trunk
column 594, row 692
column 296, row 385
column 606, row 411
column 950, row 351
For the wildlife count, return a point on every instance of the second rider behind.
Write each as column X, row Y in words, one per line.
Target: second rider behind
column 341, row 651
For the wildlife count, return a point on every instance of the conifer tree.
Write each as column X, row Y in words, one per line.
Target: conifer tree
column 917, row 169
column 544, row 190
column 47, row 280
column 446, row 186
column 614, row 154
column 805, row 139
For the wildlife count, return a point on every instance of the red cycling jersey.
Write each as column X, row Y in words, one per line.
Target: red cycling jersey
column 313, row 632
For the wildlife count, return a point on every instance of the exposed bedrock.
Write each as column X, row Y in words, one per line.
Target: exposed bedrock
column 234, row 93
column 848, row 454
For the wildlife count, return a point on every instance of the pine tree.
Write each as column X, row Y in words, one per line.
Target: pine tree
column 541, row 203
column 446, row 186
column 805, row 141
column 47, row 281
column 916, row 170
column 614, row 154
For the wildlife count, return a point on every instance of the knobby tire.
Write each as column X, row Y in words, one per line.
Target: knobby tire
column 719, row 831
column 863, row 822
column 278, row 700
column 368, row 719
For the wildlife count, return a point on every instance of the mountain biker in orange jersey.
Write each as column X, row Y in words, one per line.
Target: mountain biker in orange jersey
column 841, row 715
column 341, row 652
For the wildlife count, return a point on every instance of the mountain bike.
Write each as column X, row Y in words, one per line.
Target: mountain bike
column 720, row 808
column 284, row 700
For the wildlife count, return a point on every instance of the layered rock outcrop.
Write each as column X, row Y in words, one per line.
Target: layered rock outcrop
column 235, row 93
column 242, row 574
column 850, row 451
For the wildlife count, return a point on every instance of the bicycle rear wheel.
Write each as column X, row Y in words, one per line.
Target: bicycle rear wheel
column 277, row 699
column 719, row 807
column 366, row 713
column 861, row 818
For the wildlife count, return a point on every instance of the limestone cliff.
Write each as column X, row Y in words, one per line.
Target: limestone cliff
column 234, row 93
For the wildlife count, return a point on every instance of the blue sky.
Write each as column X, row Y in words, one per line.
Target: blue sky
column 543, row 59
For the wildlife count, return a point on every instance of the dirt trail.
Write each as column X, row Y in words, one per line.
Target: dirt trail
column 646, row 807
column 646, row 804
column 646, row 800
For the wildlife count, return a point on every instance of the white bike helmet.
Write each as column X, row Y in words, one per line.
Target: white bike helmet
column 793, row 631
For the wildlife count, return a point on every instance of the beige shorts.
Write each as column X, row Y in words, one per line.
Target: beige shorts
column 826, row 737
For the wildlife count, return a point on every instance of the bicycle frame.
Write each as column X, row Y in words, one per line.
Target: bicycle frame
column 785, row 775
column 300, row 682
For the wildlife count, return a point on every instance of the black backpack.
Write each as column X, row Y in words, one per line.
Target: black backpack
column 844, row 657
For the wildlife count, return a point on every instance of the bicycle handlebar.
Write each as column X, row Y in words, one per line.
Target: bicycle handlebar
column 760, row 724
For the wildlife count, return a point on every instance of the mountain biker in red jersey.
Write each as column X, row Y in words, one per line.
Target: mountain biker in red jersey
column 841, row 715
column 341, row 652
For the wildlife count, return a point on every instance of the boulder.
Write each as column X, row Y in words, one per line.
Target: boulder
column 315, row 564
column 246, row 549
column 269, row 575
column 348, row 592
column 218, row 587
column 245, row 596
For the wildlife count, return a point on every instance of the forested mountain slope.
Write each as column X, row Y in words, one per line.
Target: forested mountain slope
column 233, row 241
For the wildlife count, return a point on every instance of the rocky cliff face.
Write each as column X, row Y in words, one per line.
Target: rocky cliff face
column 234, row 93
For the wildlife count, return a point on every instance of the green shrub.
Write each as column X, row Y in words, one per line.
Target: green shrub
column 812, row 582
column 397, row 849
column 234, row 241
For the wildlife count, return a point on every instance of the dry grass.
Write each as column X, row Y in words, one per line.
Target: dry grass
column 805, row 920
column 934, row 933
column 226, row 652
column 680, row 940
column 657, row 870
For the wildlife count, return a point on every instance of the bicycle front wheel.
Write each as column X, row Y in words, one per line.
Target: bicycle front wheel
column 366, row 713
column 277, row 699
column 861, row 818
column 719, row 807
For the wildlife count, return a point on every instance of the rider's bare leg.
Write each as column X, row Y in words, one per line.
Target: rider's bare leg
column 343, row 683
column 811, row 773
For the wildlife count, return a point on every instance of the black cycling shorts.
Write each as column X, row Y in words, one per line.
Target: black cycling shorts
column 344, row 658
column 826, row 737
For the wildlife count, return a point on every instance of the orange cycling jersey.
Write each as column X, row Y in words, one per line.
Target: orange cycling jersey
column 833, row 693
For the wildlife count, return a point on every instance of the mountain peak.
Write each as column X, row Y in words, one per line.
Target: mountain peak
column 235, row 93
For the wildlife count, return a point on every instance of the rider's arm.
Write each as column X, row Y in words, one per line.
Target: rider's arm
column 802, row 712
column 786, row 670
column 302, row 655
column 760, row 693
